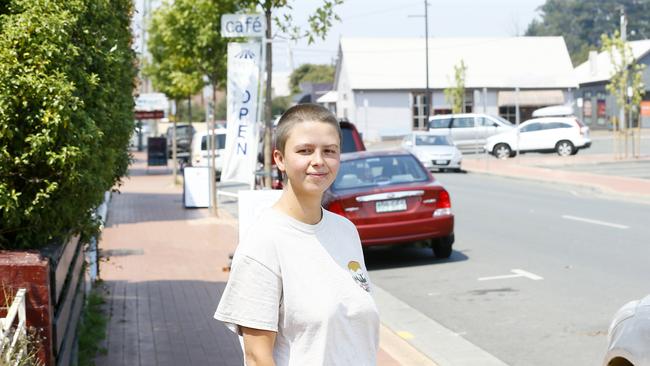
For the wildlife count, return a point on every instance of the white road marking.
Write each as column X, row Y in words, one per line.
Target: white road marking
column 595, row 222
column 516, row 273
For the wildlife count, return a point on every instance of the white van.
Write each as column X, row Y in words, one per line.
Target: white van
column 469, row 131
column 200, row 148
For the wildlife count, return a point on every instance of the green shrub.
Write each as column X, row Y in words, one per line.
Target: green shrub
column 67, row 74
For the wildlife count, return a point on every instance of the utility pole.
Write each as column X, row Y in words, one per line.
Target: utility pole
column 146, row 5
column 427, row 92
column 623, row 124
column 426, row 51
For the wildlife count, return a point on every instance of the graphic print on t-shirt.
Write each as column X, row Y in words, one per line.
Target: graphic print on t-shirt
column 358, row 274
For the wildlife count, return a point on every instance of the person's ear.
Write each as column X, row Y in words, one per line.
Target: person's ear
column 279, row 159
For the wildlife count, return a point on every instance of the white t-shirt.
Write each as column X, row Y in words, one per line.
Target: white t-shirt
column 309, row 284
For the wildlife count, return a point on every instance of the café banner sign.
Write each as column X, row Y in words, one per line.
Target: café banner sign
column 240, row 157
column 242, row 25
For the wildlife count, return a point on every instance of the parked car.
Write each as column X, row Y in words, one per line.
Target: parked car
column 434, row 149
column 200, row 148
column 628, row 338
column 564, row 135
column 393, row 200
column 469, row 130
column 351, row 141
column 184, row 134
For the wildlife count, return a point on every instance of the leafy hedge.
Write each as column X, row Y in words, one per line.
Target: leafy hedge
column 67, row 75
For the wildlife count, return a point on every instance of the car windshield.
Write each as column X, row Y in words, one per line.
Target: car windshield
column 220, row 141
column 181, row 132
column 504, row 121
column 439, row 123
column 379, row 171
column 429, row 140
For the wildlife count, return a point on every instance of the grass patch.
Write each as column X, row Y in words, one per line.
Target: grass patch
column 92, row 329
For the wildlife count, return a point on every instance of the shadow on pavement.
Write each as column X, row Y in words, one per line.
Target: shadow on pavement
column 131, row 208
column 166, row 322
column 405, row 256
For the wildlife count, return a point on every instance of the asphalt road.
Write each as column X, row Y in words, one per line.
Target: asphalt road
column 576, row 259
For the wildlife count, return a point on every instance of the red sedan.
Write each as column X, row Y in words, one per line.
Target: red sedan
column 392, row 199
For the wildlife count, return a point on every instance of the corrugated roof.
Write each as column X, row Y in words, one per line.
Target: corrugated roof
column 603, row 68
column 399, row 63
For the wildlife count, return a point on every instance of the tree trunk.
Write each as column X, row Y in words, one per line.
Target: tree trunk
column 189, row 109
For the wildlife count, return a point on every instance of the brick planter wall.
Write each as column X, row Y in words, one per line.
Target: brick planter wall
column 30, row 270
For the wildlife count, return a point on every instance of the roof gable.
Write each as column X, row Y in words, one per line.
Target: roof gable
column 602, row 69
column 399, row 63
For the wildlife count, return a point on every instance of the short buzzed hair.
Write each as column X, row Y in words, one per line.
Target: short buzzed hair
column 308, row 112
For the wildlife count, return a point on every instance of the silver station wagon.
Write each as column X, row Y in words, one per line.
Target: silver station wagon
column 469, row 131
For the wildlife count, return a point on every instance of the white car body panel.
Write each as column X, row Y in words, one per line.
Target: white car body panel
column 434, row 156
column 541, row 140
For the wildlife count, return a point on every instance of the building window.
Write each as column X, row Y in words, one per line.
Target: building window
column 508, row 112
column 420, row 109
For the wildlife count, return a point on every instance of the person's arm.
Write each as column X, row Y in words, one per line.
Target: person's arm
column 258, row 346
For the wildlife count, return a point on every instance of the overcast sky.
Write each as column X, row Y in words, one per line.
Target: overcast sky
column 405, row 18
column 396, row 18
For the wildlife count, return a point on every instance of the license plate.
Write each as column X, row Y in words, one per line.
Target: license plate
column 441, row 162
column 390, row 206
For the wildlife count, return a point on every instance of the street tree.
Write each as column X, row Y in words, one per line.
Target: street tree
column 319, row 23
column 627, row 74
column 581, row 22
column 455, row 95
column 310, row 73
column 173, row 70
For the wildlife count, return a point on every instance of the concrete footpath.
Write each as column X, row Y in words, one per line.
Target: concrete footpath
column 554, row 169
column 162, row 272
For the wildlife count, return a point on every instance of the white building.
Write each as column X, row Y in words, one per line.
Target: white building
column 381, row 82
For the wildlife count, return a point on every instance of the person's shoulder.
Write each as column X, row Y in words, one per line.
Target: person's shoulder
column 260, row 233
column 338, row 220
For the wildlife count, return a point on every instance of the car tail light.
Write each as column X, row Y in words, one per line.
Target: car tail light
column 581, row 127
column 443, row 205
column 337, row 208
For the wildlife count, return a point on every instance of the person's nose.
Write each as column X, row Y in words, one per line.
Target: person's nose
column 317, row 158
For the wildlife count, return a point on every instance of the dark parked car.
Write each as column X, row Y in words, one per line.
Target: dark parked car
column 184, row 134
column 392, row 199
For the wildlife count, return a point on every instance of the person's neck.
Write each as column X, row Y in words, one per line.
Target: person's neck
column 305, row 209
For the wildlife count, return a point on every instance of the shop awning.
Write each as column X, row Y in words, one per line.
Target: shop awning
column 534, row 98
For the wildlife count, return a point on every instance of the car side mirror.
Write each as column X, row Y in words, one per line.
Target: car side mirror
column 495, row 124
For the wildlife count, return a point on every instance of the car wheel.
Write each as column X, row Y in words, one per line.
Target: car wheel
column 442, row 246
column 502, row 151
column 564, row 148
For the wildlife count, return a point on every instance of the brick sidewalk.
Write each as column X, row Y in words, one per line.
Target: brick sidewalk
column 162, row 270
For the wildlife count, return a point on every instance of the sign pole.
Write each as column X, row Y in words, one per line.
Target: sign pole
column 260, row 106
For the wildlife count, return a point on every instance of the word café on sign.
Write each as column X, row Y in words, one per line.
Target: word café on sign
column 242, row 25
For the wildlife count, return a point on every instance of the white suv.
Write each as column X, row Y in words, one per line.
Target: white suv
column 469, row 130
column 564, row 135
